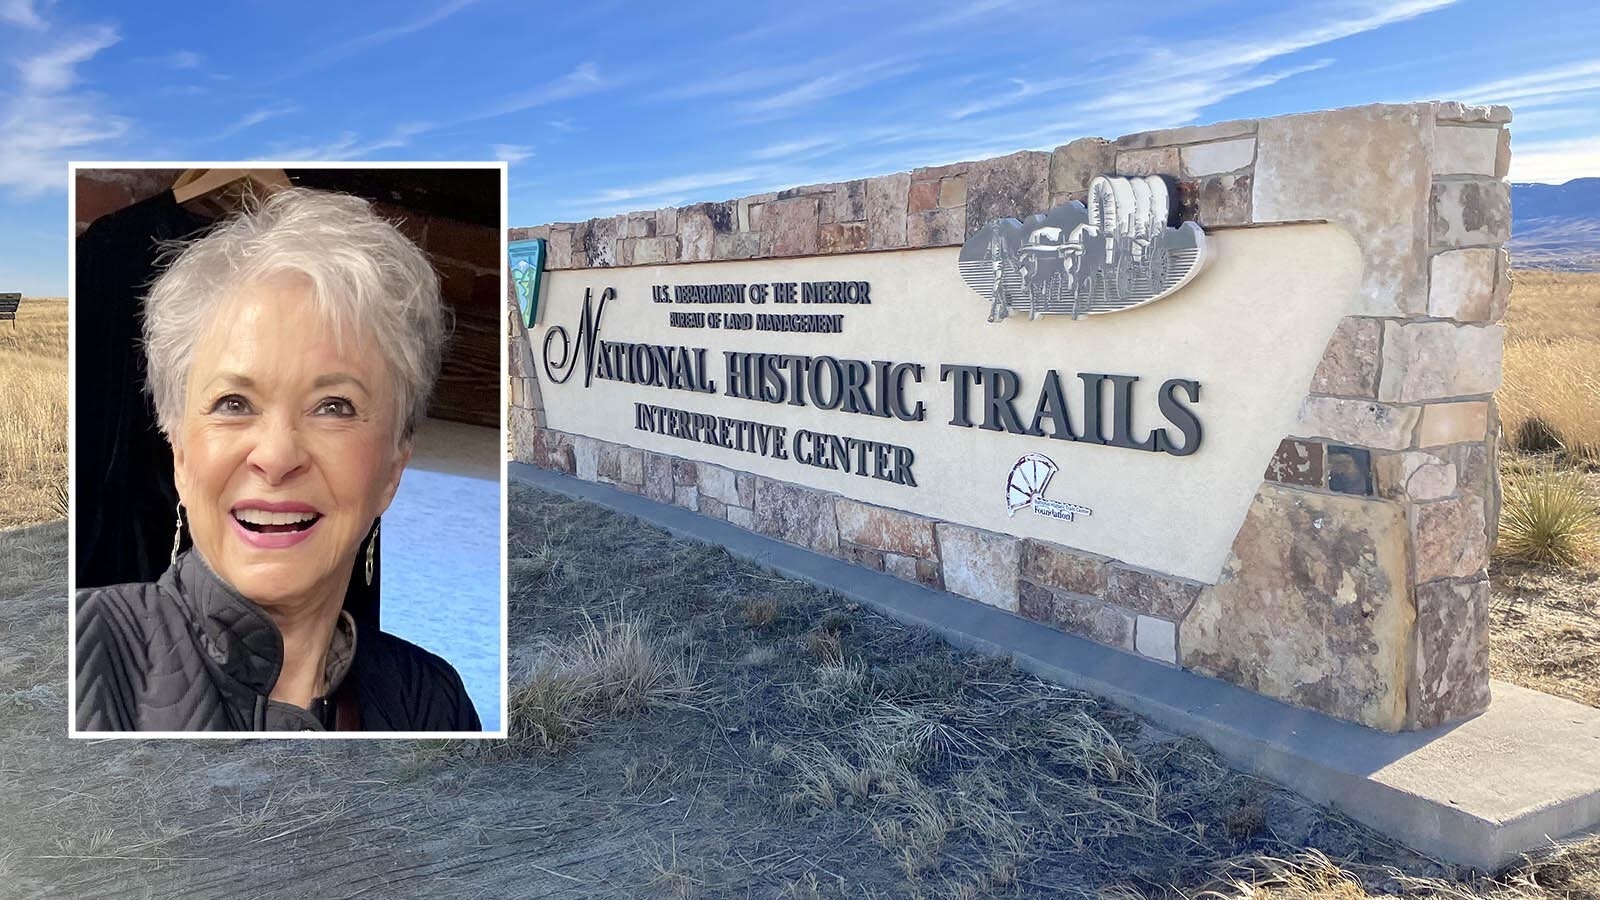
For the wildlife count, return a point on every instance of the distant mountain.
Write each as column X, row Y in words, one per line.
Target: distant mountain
column 1556, row 226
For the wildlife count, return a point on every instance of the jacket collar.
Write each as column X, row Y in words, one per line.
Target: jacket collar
column 237, row 636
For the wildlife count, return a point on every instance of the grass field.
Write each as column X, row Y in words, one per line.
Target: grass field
column 33, row 412
column 1551, row 394
column 1545, row 619
column 690, row 726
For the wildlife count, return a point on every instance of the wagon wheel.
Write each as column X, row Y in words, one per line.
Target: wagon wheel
column 1160, row 266
column 1122, row 277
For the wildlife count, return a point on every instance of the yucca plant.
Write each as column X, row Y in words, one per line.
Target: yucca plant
column 1548, row 516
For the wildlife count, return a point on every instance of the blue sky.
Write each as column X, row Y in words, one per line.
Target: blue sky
column 605, row 107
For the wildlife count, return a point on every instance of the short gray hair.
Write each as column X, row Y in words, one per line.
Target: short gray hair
column 364, row 275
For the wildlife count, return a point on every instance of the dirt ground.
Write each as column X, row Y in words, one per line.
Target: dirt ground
column 794, row 746
column 1544, row 624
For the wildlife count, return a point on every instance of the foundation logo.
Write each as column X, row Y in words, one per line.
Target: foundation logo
column 1117, row 253
column 1026, row 485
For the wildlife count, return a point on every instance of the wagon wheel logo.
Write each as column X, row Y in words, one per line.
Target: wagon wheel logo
column 1027, row 481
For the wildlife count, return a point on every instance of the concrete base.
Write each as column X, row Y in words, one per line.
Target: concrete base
column 1479, row 792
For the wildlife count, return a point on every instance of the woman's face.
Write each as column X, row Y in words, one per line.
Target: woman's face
column 286, row 451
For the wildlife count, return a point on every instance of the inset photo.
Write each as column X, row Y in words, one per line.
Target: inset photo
column 287, row 477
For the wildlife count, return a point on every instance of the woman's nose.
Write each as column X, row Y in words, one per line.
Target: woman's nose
column 278, row 452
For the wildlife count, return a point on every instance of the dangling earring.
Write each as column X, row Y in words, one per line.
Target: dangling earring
column 177, row 533
column 372, row 543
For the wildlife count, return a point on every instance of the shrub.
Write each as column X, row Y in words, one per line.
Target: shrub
column 1548, row 517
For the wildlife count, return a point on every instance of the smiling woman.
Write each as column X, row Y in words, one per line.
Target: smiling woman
column 290, row 355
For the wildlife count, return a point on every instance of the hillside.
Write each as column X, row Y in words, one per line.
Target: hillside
column 1556, row 226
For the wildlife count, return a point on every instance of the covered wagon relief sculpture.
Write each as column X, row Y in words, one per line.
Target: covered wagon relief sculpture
column 1116, row 253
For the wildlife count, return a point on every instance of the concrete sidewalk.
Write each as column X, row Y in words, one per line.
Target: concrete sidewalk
column 1479, row 792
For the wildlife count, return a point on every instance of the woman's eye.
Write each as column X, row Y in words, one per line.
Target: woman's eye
column 231, row 405
column 336, row 406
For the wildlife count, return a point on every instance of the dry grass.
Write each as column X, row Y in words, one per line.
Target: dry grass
column 610, row 669
column 33, row 412
column 1550, row 398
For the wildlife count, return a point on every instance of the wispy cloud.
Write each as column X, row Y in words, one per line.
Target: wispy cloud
column 45, row 121
column 1541, row 87
column 832, row 84
column 794, row 149
column 584, row 78
column 348, row 48
column 348, row 145
column 1558, row 161
column 512, row 153
column 55, row 68
column 254, row 118
column 668, row 189
column 21, row 13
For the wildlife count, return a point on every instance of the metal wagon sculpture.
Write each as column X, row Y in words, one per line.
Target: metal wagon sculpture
column 1113, row 254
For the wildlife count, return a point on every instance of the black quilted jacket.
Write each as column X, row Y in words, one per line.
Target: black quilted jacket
column 189, row 653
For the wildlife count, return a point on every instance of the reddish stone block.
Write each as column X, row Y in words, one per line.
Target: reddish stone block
column 1297, row 462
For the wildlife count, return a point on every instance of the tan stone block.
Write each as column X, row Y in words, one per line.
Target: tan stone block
column 934, row 173
column 1452, row 656
column 1074, row 165
column 739, row 245
column 516, row 393
column 698, row 226
column 795, row 514
column 1437, row 360
column 1015, row 185
column 1502, row 154
column 1424, row 476
column 885, row 529
column 937, row 228
column 862, row 556
column 742, row 517
column 790, row 227
column 747, row 211
column 849, row 202
column 1036, row 604
column 1456, row 111
column 1313, row 607
column 953, row 191
column 1189, row 134
column 666, row 221
column 1366, row 169
column 526, row 445
column 651, row 251
column 1099, row 622
column 1465, row 150
column 1216, row 201
column 1349, row 366
column 624, row 251
column 687, row 497
column 712, row 507
column 1152, row 593
column 1471, row 213
column 1055, row 566
column 1462, row 283
column 560, row 246
column 685, row 472
column 886, row 210
column 1502, row 286
column 1453, row 423
column 909, row 568
column 586, row 457
column 718, row 483
column 658, row 484
column 1361, row 423
column 745, row 485
column 923, row 197
column 1155, row 161
column 640, row 225
column 1156, row 639
column 981, row 565
column 1218, row 157
column 843, row 237
column 1449, row 540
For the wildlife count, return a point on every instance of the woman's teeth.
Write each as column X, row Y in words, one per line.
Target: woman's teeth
column 261, row 520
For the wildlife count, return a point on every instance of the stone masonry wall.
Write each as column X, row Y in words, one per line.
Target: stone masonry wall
column 1357, row 584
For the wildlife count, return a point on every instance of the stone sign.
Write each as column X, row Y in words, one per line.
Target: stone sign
column 1282, row 474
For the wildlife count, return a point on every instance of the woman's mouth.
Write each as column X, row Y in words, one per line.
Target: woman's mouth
column 274, row 526
column 263, row 522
